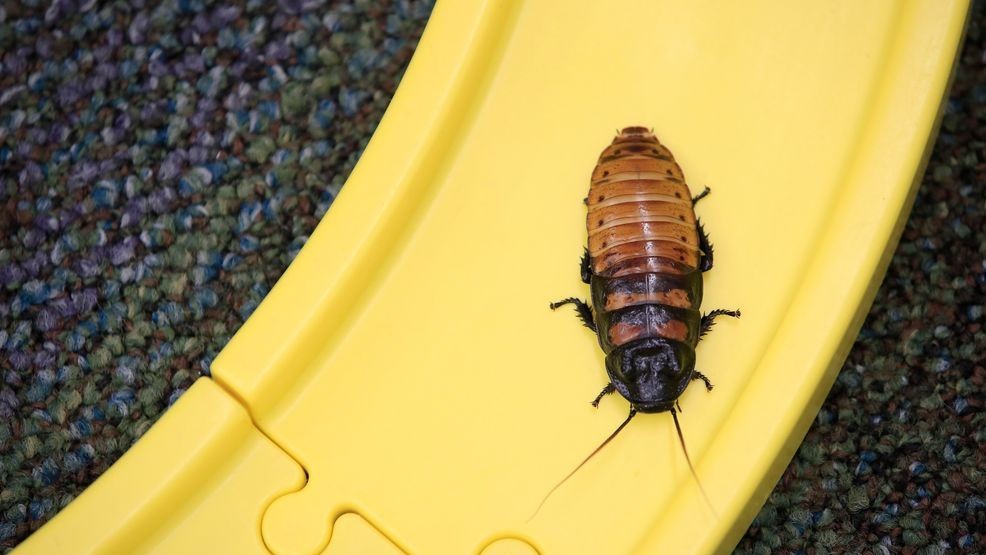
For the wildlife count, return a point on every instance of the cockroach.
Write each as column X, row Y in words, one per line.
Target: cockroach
column 644, row 264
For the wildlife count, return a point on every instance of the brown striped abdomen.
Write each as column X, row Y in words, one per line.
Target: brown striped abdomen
column 643, row 244
column 639, row 206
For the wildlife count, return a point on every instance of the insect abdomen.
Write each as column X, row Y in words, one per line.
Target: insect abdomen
column 643, row 244
column 639, row 206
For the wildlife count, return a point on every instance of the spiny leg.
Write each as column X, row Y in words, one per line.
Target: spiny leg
column 701, row 196
column 581, row 308
column 696, row 375
column 708, row 320
column 586, row 267
column 610, row 388
column 705, row 246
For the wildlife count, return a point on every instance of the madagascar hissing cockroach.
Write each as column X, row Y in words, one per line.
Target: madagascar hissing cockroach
column 644, row 263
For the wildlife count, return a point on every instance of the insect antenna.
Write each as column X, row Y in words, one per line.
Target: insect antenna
column 674, row 414
column 633, row 412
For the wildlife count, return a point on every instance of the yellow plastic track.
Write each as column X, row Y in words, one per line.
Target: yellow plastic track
column 408, row 361
column 197, row 482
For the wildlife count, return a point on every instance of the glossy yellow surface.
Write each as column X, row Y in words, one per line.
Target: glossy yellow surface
column 408, row 361
column 352, row 535
column 197, row 482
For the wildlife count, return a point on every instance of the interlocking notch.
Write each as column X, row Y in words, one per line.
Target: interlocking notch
column 291, row 526
column 329, row 515
column 509, row 546
column 353, row 535
column 198, row 481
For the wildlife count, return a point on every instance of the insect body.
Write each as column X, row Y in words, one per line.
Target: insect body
column 647, row 252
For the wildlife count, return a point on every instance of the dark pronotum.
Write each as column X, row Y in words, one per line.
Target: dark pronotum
column 647, row 252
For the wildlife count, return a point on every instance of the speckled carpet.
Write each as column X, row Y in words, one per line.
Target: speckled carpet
column 161, row 164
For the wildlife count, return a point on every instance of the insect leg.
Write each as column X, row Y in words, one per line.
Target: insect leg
column 610, row 388
column 709, row 319
column 700, row 376
column 705, row 246
column 701, row 196
column 586, row 267
column 581, row 308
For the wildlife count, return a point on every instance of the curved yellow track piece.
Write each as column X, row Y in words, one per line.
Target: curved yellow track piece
column 197, row 482
column 408, row 361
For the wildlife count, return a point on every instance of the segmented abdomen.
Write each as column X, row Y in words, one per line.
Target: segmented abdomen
column 643, row 244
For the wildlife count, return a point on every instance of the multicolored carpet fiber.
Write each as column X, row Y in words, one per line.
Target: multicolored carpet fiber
column 160, row 166
column 162, row 163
